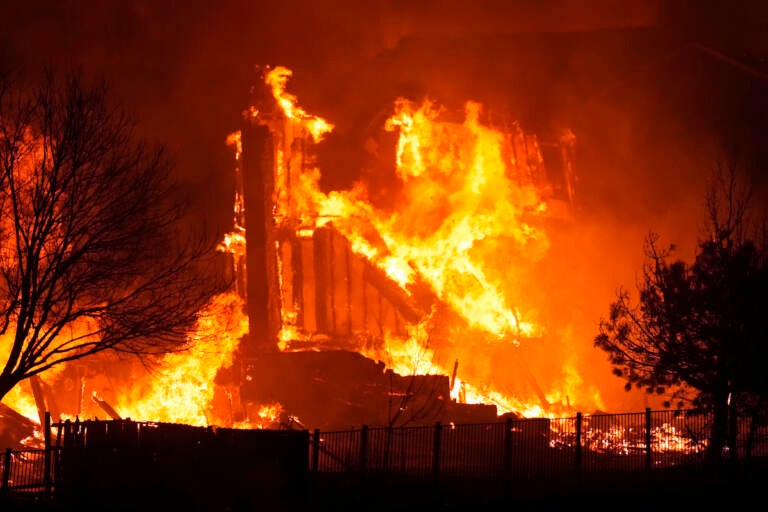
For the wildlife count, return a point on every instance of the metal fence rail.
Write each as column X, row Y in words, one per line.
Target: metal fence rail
column 30, row 471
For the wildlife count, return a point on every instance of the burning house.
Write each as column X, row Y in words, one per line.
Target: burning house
column 349, row 309
column 342, row 329
column 348, row 312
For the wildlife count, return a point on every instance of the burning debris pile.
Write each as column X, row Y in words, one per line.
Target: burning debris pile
column 346, row 312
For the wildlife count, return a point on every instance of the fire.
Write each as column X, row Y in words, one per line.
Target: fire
column 466, row 205
column 410, row 356
column 182, row 389
column 22, row 402
column 277, row 79
column 456, row 178
column 458, row 203
column 466, row 225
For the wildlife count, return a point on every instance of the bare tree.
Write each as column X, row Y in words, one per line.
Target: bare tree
column 91, row 252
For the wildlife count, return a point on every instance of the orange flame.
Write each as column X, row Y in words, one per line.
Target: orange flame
column 277, row 79
column 463, row 198
column 182, row 389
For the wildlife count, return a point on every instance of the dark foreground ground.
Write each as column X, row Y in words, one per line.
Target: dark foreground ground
column 728, row 490
column 725, row 488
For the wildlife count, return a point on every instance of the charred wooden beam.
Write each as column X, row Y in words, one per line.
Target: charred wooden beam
column 321, row 248
column 297, row 278
column 37, row 391
column 261, row 260
column 105, row 407
column 14, row 427
column 390, row 290
column 11, row 417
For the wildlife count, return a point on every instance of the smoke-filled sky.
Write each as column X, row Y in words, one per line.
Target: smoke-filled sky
column 184, row 67
column 643, row 101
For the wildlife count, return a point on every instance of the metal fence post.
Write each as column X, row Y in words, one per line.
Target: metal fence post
column 315, row 449
column 363, row 447
column 387, row 448
column 47, row 481
column 508, row 449
column 578, row 442
column 648, row 447
column 733, row 431
column 436, row 449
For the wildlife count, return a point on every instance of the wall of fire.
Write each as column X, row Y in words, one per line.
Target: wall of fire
column 305, row 287
column 306, row 290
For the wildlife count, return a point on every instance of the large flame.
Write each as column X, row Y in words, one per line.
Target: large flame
column 466, row 223
column 182, row 390
column 277, row 79
column 458, row 205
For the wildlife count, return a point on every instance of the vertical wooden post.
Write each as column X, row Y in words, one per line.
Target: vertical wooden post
column 648, row 447
column 436, row 449
column 323, row 291
column 333, row 282
column 348, row 277
column 297, row 279
column 60, row 432
column 258, row 162
column 578, row 442
column 363, row 447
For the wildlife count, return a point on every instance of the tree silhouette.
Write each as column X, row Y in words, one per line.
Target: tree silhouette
column 697, row 332
column 91, row 252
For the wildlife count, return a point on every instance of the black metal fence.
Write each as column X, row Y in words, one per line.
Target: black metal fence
column 28, row 470
column 523, row 448
column 512, row 449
